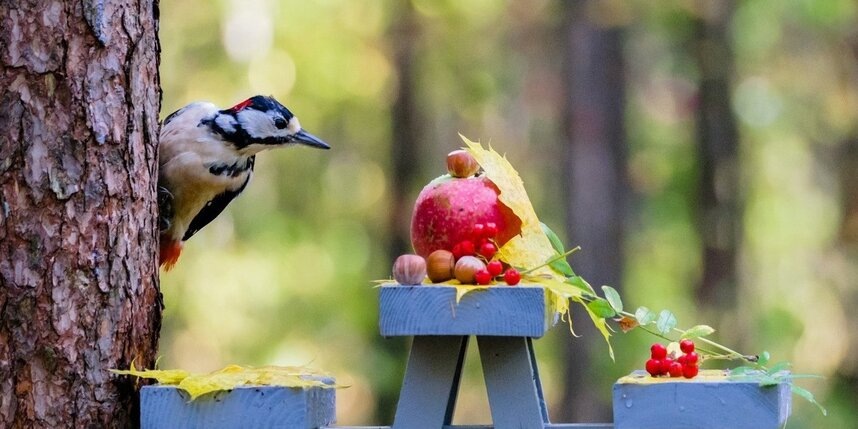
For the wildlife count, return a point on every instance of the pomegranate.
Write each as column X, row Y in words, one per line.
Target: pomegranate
column 447, row 209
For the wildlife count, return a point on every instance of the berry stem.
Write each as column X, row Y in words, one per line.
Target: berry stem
column 732, row 354
column 551, row 261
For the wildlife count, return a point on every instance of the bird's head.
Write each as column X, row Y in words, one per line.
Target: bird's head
column 260, row 123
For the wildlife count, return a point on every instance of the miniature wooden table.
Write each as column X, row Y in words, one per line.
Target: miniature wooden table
column 503, row 319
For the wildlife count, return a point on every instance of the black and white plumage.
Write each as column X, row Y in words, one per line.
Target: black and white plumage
column 206, row 157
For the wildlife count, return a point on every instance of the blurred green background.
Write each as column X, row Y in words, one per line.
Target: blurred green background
column 704, row 154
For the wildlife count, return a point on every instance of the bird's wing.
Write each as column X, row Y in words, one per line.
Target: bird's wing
column 212, row 209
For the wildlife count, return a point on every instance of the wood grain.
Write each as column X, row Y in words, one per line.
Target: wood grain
column 432, row 310
column 703, row 404
column 431, row 383
column 244, row 407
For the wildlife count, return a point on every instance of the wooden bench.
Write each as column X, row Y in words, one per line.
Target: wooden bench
column 504, row 321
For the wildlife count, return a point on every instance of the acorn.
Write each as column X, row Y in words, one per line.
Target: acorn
column 440, row 265
column 409, row 269
column 461, row 164
column 466, row 269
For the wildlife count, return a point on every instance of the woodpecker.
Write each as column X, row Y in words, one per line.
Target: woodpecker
column 206, row 157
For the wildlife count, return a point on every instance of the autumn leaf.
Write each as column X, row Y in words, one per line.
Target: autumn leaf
column 627, row 323
column 234, row 376
column 532, row 247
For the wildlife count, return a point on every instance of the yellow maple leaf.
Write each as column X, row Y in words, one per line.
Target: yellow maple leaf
column 531, row 248
column 234, row 376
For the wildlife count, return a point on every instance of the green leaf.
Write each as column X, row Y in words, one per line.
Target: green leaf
column 778, row 367
column 644, row 315
column 666, row 321
column 764, row 358
column 698, row 331
column 768, row 381
column 613, row 298
column 742, row 370
column 580, row 283
column 601, row 308
column 600, row 324
column 562, row 267
column 554, row 239
column 804, row 393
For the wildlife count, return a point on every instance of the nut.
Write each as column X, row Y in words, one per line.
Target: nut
column 466, row 269
column 409, row 270
column 461, row 164
column 440, row 265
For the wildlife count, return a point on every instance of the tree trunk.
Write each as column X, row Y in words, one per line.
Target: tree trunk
column 406, row 135
column 405, row 162
column 79, row 100
column 719, row 208
column 596, row 163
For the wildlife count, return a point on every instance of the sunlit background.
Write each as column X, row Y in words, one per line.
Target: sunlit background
column 284, row 276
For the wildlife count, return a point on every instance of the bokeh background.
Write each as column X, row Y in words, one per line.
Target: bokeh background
column 704, row 154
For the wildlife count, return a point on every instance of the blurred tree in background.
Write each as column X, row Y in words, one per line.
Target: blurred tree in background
column 703, row 153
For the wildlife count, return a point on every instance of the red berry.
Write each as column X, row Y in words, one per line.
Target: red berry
column 675, row 369
column 490, row 230
column 467, row 248
column 488, row 250
column 483, row 277
column 687, row 346
column 692, row 358
column 681, row 360
column 512, row 277
column 658, row 351
column 665, row 365
column 690, row 371
column 653, row 367
column 479, row 231
column 457, row 251
column 495, row 268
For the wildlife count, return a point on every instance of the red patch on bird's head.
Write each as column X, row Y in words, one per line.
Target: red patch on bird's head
column 241, row 106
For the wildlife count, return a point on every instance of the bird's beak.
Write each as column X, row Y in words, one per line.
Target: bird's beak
column 308, row 139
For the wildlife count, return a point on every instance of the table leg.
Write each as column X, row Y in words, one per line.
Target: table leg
column 431, row 383
column 512, row 382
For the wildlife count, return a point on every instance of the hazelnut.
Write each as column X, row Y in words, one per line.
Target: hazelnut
column 409, row 270
column 466, row 269
column 461, row 164
column 439, row 266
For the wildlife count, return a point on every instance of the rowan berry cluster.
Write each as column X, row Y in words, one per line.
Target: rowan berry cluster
column 482, row 246
column 685, row 365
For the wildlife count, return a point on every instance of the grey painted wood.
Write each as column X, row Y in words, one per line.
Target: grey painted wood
column 547, row 426
column 432, row 310
column 511, row 383
column 168, row 407
column 431, row 382
column 538, row 381
column 700, row 404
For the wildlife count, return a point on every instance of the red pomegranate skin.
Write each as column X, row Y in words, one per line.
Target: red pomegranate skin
column 447, row 209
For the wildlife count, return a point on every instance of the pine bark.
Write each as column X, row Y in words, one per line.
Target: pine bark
column 79, row 101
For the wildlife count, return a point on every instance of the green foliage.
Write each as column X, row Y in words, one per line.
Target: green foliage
column 613, row 298
column 666, row 322
column 644, row 315
column 697, row 331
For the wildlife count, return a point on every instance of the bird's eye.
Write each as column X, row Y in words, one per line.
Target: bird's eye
column 281, row 123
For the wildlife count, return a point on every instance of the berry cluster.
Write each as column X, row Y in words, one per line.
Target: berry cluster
column 482, row 246
column 686, row 365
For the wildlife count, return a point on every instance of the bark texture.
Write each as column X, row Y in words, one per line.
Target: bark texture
column 79, row 101
column 597, row 191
